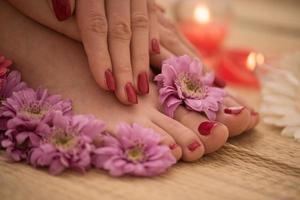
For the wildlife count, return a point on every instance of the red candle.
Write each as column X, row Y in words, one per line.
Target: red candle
column 236, row 66
column 205, row 34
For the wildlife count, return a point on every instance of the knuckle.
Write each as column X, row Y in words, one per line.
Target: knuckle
column 120, row 30
column 124, row 70
column 97, row 23
column 139, row 21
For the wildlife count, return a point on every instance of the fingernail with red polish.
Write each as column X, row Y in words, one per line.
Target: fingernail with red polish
column 193, row 146
column 219, row 82
column 234, row 110
column 173, row 146
column 62, row 9
column 131, row 94
column 155, row 46
column 206, row 127
column 110, row 80
column 143, row 83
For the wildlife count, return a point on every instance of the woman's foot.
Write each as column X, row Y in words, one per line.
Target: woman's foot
column 50, row 60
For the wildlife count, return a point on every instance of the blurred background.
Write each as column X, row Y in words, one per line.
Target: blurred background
column 254, row 45
column 254, row 23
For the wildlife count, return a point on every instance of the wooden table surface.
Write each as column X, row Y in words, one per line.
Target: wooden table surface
column 259, row 164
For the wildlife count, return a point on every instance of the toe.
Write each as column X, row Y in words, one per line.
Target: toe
column 166, row 139
column 254, row 120
column 254, row 115
column 191, row 145
column 213, row 134
column 235, row 117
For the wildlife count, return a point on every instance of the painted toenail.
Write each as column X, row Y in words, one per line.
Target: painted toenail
column 131, row 94
column 173, row 146
column 206, row 127
column 110, row 80
column 219, row 82
column 143, row 83
column 193, row 146
column 234, row 110
column 254, row 113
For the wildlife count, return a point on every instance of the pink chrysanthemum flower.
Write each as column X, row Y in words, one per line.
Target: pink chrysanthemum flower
column 183, row 81
column 134, row 151
column 11, row 83
column 24, row 112
column 68, row 143
column 4, row 64
column 33, row 105
column 22, row 136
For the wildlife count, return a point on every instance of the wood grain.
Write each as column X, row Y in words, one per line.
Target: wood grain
column 259, row 164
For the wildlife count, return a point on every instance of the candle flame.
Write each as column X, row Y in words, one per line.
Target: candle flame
column 202, row 14
column 254, row 60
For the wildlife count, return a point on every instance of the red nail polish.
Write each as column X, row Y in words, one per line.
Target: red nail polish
column 254, row 113
column 131, row 94
column 193, row 146
column 155, row 46
column 205, row 127
column 143, row 83
column 110, row 80
column 173, row 146
column 234, row 110
column 62, row 9
column 2, row 58
column 219, row 82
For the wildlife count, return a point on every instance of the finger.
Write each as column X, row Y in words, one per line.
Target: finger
column 92, row 24
column 157, row 59
column 119, row 36
column 139, row 45
column 168, row 27
column 187, row 43
column 62, row 9
column 154, row 43
column 171, row 41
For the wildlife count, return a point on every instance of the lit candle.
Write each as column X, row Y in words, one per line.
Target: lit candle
column 254, row 60
column 238, row 67
column 205, row 34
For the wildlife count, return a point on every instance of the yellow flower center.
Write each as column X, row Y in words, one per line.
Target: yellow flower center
column 135, row 154
column 191, row 87
column 35, row 111
column 63, row 140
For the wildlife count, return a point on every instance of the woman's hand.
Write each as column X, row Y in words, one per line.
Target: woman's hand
column 172, row 42
column 116, row 36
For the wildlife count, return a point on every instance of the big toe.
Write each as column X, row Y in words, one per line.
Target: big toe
column 213, row 134
column 235, row 117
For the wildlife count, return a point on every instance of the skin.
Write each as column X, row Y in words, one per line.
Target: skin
column 40, row 53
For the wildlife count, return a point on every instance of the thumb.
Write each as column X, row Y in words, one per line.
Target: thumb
column 63, row 9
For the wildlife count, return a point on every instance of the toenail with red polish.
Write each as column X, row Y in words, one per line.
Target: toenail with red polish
column 131, row 94
column 234, row 110
column 62, row 9
column 193, row 146
column 206, row 127
column 254, row 113
column 110, row 80
column 143, row 83
column 219, row 82
column 173, row 146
